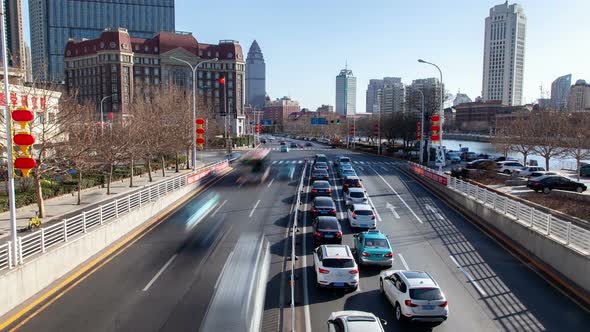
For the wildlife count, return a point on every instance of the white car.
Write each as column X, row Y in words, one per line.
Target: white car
column 526, row 171
column 507, row 167
column 415, row 296
column 352, row 320
column 356, row 195
column 335, row 267
column 361, row 215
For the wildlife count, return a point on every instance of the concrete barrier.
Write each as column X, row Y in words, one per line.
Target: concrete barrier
column 568, row 264
column 24, row 281
column 570, row 195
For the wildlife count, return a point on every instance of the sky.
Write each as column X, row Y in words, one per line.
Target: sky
column 307, row 42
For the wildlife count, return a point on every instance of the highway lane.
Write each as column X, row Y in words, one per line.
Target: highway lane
column 504, row 295
column 164, row 281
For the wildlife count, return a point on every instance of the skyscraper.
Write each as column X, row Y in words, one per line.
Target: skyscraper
column 255, row 77
column 346, row 92
column 504, row 48
column 560, row 89
column 392, row 97
column 15, row 45
column 53, row 22
column 374, row 90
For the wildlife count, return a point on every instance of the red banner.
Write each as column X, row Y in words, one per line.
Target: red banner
column 221, row 166
column 196, row 177
column 429, row 175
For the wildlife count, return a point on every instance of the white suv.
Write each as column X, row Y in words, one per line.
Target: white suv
column 361, row 215
column 352, row 320
column 414, row 295
column 355, row 195
column 335, row 267
column 526, row 171
column 508, row 167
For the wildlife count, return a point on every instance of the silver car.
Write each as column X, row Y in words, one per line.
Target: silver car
column 352, row 320
column 356, row 195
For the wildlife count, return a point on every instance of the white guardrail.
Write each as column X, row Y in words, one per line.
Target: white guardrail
column 47, row 237
column 564, row 232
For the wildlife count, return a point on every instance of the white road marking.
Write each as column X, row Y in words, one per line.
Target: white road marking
column 471, row 280
column 361, row 168
column 374, row 208
column 160, row 272
column 270, row 183
column 433, row 210
column 392, row 209
column 219, row 207
column 274, row 161
column 300, row 162
column 400, row 198
column 280, row 161
column 404, row 263
column 383, row 167
column 305, row 284
column 362, row 162
column 254, row 208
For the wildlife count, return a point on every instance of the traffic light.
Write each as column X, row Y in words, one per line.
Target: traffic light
column 258, row 128
column 376, row 129
column 200, row 132
column 338, row 121
column 352, row 130
column 24, row 140
column 222, row 80
column 419, row 130
column 435, row 127
column 332, row 121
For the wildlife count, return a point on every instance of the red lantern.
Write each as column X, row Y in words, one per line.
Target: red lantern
column 25, row 164
column 435, row 138
column 435, row 118
column 435, row 128
column 24, row 140
column 222, row 81
column 22, row 116
column 200, row 131
column 200, row 140
column 200, row 121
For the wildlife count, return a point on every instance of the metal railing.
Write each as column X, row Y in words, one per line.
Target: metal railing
column 563, row 232
column 46, row 237
column 293, row 244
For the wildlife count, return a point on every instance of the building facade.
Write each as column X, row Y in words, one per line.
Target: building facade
column 255, row 77
column 325, row 109
column 579, row 97
column 15, row 44
column 461, row 98
column 430, row 88
column 54, row 22
column 392, row 97
column 560, row 90
column 375, row 90
column 481, row 116
column 504, row 52
column 346, row 93
column 278, row 111
column 114, row 64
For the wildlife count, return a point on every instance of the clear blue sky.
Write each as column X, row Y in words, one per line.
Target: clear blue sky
column 306, row 43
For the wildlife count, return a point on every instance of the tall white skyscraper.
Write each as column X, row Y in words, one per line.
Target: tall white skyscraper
column 255, row 77
column 504, row 48
column 346, row 92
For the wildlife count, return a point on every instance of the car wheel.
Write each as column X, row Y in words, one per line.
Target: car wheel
column 398, row 313
column 381, row 290
column 546, row 190
column 506, row 171
column 579, row 189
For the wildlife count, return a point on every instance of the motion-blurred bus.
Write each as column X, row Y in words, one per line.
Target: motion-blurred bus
column 254, row 166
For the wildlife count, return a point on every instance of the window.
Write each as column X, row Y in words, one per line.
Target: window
column 338, row 263
column 428, row 294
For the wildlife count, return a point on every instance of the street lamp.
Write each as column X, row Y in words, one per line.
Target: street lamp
column 101, row 113
column 440, row 156
column 421, row 128
column 194, row 70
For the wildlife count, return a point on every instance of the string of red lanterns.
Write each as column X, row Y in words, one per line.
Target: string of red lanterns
column 24, row 140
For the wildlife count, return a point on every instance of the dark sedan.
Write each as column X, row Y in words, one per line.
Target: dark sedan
column 321, row 188
column 319, row 174
column 326, row 230
column 550, row 182
column 323, row 206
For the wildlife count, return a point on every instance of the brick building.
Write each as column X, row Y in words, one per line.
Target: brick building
column 115, row 64
column 278, row 110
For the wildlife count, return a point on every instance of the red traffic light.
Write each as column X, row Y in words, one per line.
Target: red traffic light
column 200, row 140
column 222, row 80
column 200, row 121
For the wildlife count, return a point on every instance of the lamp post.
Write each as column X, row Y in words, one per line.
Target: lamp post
column 421, row 129
column 194, row 71
column 440, row 155
column 101, row 112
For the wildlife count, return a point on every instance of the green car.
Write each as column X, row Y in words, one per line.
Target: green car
column 344, row 167
column 372, row 248
column 284, row 148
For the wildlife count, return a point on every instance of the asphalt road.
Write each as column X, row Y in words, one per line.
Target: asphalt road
column 505, row 294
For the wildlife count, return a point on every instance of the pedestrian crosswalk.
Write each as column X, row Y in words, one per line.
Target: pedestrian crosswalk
column 304, row 149
column 360, row 163
column 278, row 162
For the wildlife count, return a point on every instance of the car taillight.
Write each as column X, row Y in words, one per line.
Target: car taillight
column 328, row 190
column 323, row 271
column 373, row 217
column 333, row 211
column 346, row 184
column 354, row 215
column 318, row 234
column 410, row 304
column 389, row 254
column 339, row 234
column 536, row 183
column 353, row 271
column 444, row 304
column 314, row 211
column 365, row 254
column 314, row 190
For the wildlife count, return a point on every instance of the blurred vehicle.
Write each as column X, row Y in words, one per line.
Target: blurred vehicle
column 527, row 171
column 342, row 168
column 293, row 145
column 233, row 156
column 313, row 139
column 323, row 206
column 340, row 160
column 540, row 173
column 507, row 167
column 308, row 144
column 283, row 143
column 481, row 164
column 335, row 267
column 585, row 170
column 287, row 172
column 320, row 158
column 361, row 215
column 284, row 148
column 351, row 182
column 469, row 156
column 415, row 296
column 335, row 142
column 320, row 165
column 356, row 195
column 319, row 174
column 254, row 166
column 454, row 157
column 353, row 321
column 326, row 229
column 321, row 188
column 550, row 182
column 373, row 248
column 263, row 141
column 504, row 158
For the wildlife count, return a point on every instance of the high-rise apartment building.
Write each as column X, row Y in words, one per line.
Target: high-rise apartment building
column 255, row 77
column 579, row 97
column 114, row 64
column 53, row 22
column 504, row 51
column 431, row 88
column 346, row 93
column 560, row 89
column 15, row 45
column 374, row 89
column 392, row 97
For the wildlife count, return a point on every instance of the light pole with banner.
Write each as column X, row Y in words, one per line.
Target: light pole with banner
column 421, row 128
column 440, row 153
column 101, row 112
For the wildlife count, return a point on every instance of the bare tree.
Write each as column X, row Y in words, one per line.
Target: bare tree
column 547, row 133
column 577, row 142
column 519, row 137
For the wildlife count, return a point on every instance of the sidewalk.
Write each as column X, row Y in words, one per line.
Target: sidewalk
column 57, row 208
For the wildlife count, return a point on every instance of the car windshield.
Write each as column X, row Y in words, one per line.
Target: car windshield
column 348, row 172
column 426, row 294
column 321, row 185
column 357, row 194
column 328, row 224
column 320, row 172
column 321, row 164
column 353, row 181
column 376, row 243
column 344, row 160
column 338, row 262
column 364, row 212
column 324, row 202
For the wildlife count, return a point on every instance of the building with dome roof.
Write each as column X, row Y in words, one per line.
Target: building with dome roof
column 255, row 77
column 579, row 97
